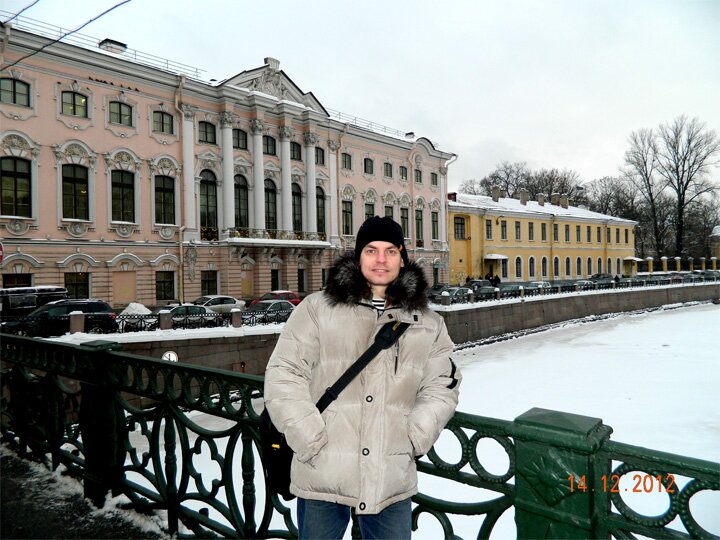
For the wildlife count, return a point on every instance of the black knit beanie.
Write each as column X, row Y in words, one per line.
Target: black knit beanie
column 383, row 229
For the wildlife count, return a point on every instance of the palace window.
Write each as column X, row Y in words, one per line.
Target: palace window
column 297, row 208
column 503, row 230
column 319, row 156
column 270, row 205
column 75, row 192
column 368, row 166
column 518, row 233
column 488, row 229
column 164, row 199
column 567, row 233
column 123, row 196
column 16, row 184
column 347, row 217
column 242, row 209
column 77, row 284
column 518, row 267
column 239, row 139
column 387, row 170
column 405, row 221
column 208, row 200
column 268, row 145
column 346, row 161
column 74, row 104
column 208, row 282
column 531, row 231
column 543, row 232
column 295, row 151
column 433, row 179
column 578, row 235
column 206, row 132
column 320, row 209
column 435, row 225
column 164, row 285
column 403, row 172
column 418, row 176
column 121, row 113
column 15, row 92
column 163, row 123
column 369, row 210
column 389, row 212
column 419, row 225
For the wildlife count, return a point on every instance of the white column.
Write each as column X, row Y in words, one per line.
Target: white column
column 333, row 208
column 188, row 146
column 228, row 186
column 285, row 179
column 443, row 217
column 257, row 127
column 310, row 140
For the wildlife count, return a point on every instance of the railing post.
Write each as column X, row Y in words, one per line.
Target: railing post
column 102, row 427
column 555, row 462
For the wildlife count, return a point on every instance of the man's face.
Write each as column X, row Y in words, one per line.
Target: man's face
column 380, row 263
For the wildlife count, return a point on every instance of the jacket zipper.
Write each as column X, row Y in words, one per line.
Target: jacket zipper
column 397, row 352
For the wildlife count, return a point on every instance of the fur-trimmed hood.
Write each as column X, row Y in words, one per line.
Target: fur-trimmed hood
column 347, row 285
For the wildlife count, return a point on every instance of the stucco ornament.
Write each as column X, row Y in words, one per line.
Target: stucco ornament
column 310, row 139
column 226, row 119
column 257, row 125
column 77, row 228
column 17, row 226
column 166, row 233
column 12, row 142
column 191, row 261
column 270, row 82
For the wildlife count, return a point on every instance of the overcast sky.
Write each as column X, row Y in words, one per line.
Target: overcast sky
column 558, row 83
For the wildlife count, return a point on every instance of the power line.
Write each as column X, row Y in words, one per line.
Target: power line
column 19, row 12
column 65, row 35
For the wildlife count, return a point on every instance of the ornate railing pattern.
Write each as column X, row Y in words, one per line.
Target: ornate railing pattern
column 277, row 234
column 183, row 439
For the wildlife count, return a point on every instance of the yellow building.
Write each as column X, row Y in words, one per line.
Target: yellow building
column 523, row 240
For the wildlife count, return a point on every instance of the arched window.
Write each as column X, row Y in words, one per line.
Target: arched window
column 239, row 139
column 589, row 266
column 15, row 186
column 123, row 195
column 164, row 199
column 15, row 92
column 268, row 145
column 206, row 132
column 518, row 267
column 320, row 209
column 531, row 267
column 75, row 192
column 319, row 156
column 241, row 202
column 163, row 123
column 121, row 113
column 599, row 266
column 543, row 267
column 556, row 268
column 270, row 205
column 617, row 264
column 568, row 272
column 297, row 208
column 609, row 265
column 208, row 199
column 295, row 151
column 578, row 269
column 74, row 104
column 368, row 166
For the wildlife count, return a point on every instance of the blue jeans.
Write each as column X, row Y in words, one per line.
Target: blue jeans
column 320, row 520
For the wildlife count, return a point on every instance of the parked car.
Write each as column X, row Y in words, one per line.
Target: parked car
column 601, row 278
column 477, row 283
column 510, row 290
column 457, row 294
column 183, row 316
column 485, row 292
column 435, row 291
column 218, row 303
column 585, row 284
column 53, row 319
column 267, row 312
column 17, row 301
column 289, row 296
column 538, row 285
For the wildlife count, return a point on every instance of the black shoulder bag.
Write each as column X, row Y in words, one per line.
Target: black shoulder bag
column 276, row 453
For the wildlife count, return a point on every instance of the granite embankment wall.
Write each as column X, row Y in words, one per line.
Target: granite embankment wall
column 249, row 354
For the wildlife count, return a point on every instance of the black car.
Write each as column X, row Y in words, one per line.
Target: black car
column 53, row 319
column 267, row 312
column 435, row 290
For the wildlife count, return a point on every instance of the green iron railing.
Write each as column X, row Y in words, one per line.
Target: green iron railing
column 182, row 439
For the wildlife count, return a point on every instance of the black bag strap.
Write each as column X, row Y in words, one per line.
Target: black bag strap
column 388, row 334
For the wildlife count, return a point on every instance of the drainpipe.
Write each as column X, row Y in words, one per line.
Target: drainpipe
column 181, row 288
column 338, row 207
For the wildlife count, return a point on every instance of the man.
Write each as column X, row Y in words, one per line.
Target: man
column 360, row 453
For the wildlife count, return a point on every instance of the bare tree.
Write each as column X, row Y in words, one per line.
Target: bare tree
column 471, row 187
column 509, row 177
column 701, row 217
column 549, row 181
column 685, row 153
column 640, row 165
